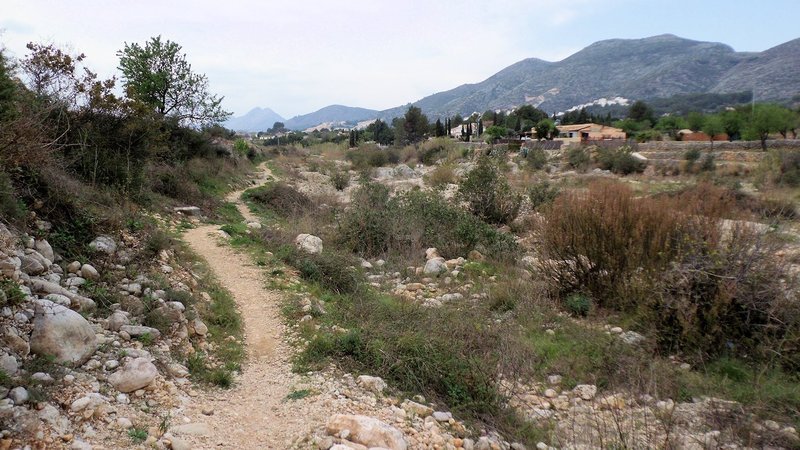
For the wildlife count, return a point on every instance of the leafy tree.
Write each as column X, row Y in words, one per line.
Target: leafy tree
column 713, row 126
column 158, row 75
column 732, row 123
column 413, row 126
column 277, row 127
column 480, row 126
column 457, row 120
column 640, row 111
column 495, row 132
column 695, row 120
column 767, row 118
column 381, row 132
column 439, row 128
column 671, row 125
column 546, row 129
column 7, row 89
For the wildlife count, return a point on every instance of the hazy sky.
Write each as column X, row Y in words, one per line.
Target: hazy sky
column 297, row 56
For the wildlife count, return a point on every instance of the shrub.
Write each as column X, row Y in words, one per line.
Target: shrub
column 620, row 161
column 333, row 271
column 280, row 198
column 707, row 164
column 578, row 158
column 488, row 194
column 368, row 156
column 11, row 208
column 702, row 285
column 340, row 179
column 578, row 305
column 376, row 224
column 542, row 193
column 10, row 293
column 441, row 176
column 536, row 158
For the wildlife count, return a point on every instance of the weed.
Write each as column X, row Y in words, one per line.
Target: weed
column 10, row 293
column 340, row 180
column 298, row 394
column 146, row 339
column 488, row 194
column 542, row 194
column 578, row 305
column 137, row 435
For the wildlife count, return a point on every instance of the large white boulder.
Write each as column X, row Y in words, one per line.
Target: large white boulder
column 309, row 243
column 104, row 244
column 134, row 375
column 366, row 431
column 62, row 333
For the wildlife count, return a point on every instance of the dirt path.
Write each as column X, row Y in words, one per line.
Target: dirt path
column 255, row 413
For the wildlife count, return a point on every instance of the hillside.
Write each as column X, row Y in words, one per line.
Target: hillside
column 337, row 114
column 257, row 119
column 654, row 67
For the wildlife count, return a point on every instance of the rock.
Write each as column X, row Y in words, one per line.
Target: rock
column 80, row 404
column 632, row 337
column 192, row 429
column 74, row 267
column 165, row 315
column 140, row 330
column 84, row 304
column 132, row 288
column 199, row 327
column 14, row 341
column 585, row 391
column 117, row 320
column 103, row 244
column 10, row 267
column 435, row 266
column 89, row 272
column 136, row 374
column 19, row 395
column 9, row 365
column 475, row 255
column 188, row 210
column 615, row 330
column 550, row 393
column 441, row 416
column 62, row 333
column 416, row 408
column 59, row 299
column 132, row 304
column 44, row 249
column 374, row 384
column 75, row 282
column 366, row 431
column 31, row 265
column 554, row 379
column 124, row 423
column 432, row 253
column 176, row 443
column 309, row 243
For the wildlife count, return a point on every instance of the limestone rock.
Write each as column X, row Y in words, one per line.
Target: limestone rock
column 140, row 330
column 585, row 391
column 366, row 431
column 62, row 333
column 134, row 375
column 44, row 249
column 89, row 272
column 435, row 266
column 31, row 265
column 103, row 244
column 374, row 384
column 46, row 287
column 309, row 243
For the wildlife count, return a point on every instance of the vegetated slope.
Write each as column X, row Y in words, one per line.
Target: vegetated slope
column 659, row 66
column 332, row 113
column 257, row 119
column 773, row 74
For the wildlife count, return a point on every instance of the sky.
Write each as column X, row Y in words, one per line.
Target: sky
column 300, row 55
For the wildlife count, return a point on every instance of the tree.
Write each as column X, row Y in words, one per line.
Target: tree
column 480, row 127
column 158, row 75
column 495, row 132
column 7, row 89
column 457, row 120
column 671, row 125
column 381, row 132
column 767, row 118
column 439, row 128
column 695, row 120
column 713, row 126
column 732, row 122
column 546, row 129
column 640, row 111
column 277, row 127
column 414, row 126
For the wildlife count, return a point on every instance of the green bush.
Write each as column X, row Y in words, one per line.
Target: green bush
column 488, row 194
column 340, row 180
column 10, row 293
column 11, row 208
column 333, row 271
column 578, row 158
column 376, row 224
column 619, row 161
column 536, row 158
column 699, row 286
column 241, row 147
column 280, row 198
column 370, row 155
column 578, row 305
column 707, row 164
column 542, row 193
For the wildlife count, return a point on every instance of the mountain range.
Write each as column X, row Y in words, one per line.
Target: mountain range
column 636, row 69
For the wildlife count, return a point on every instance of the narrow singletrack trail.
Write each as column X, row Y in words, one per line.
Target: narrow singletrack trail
column 255, row 413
